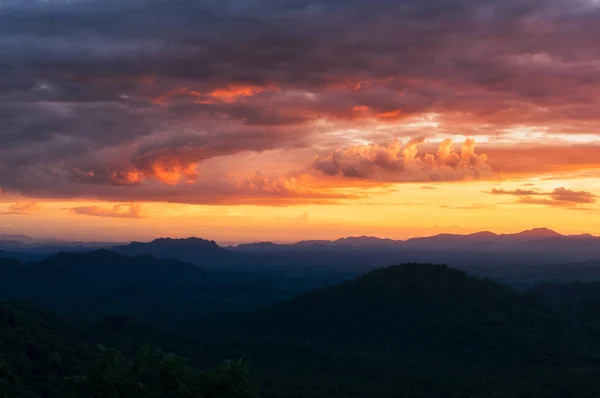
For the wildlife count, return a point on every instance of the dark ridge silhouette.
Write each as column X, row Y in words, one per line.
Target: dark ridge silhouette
column 444, row 241
column 94, row 284
column 432, row 307
column 197, row 251
column 365, row 241
column 16, row 238
column 536, row 233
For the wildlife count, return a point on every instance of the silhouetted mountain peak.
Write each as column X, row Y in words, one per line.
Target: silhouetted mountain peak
column 313, row 242
column 411, row 291
column 537, row 233
column 483, row 234
column 191, row 241
column 17, row 238
column 363, row 241
column 412, row 305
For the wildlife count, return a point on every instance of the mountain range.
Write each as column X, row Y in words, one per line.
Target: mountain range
column 91, row 285
column 484, row 240
column 521, row 260
column 414, row 330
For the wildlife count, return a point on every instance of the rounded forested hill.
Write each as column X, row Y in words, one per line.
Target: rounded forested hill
column 428, row 308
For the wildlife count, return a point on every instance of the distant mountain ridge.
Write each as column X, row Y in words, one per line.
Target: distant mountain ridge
column 521, row 259
column 485, row 236
column 198, row 251
column 102, row 283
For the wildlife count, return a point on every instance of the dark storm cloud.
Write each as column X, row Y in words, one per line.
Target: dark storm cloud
column 89, row 89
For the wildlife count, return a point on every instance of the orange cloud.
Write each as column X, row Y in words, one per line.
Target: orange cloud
column 391, row 114
column 262, row 189
column 473, row 206
column 22, row 208
column 532, row 160
column 403, row 163
column 360, row 108
column 172, row 170
column 228, row 95
column 559, row 197
column 232, row 93
column 117, row 211
column 178, row 92
column 566, row 195
column 125, row 177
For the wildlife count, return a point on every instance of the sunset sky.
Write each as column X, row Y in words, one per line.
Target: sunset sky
column 282, row 120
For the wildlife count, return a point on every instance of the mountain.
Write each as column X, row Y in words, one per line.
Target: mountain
column 442, row 241
column 263, row 259
column 424, row 308
column 366, row 241
column 197, row 251
column 532, row 234
column 24, row 257
column 17, row 238
column 92, row 285
column 523, row 259
column 415, row 330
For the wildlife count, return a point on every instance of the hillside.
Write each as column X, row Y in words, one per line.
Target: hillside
column 416, row 330
column 96, row 284
column 47, row 356
column 569, row 293
column 433, row 307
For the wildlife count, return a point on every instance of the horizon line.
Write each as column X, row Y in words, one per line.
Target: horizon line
column 225, row 243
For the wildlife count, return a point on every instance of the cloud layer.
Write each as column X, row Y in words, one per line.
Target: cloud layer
column 158, row 100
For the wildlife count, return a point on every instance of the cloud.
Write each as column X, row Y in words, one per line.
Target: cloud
column 530, row 159
column 517, row 192
column 403, row 163
column 22, row 208
column 559, row 197
column 117, row 211
column 216, row 189
column 566, row 195
column 473, row 206
column 125, row 99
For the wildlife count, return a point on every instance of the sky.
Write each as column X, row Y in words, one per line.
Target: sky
column 282, row 120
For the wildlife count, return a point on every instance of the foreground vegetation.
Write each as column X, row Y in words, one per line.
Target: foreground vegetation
column 42, row 355
column 416, row 330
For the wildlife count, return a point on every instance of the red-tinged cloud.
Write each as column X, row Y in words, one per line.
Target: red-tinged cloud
column 228, row 94
column 207, row 189
column 559, row 197
column 138, row 108
column 126, row 177
column 117, row 211
column 403, row 163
